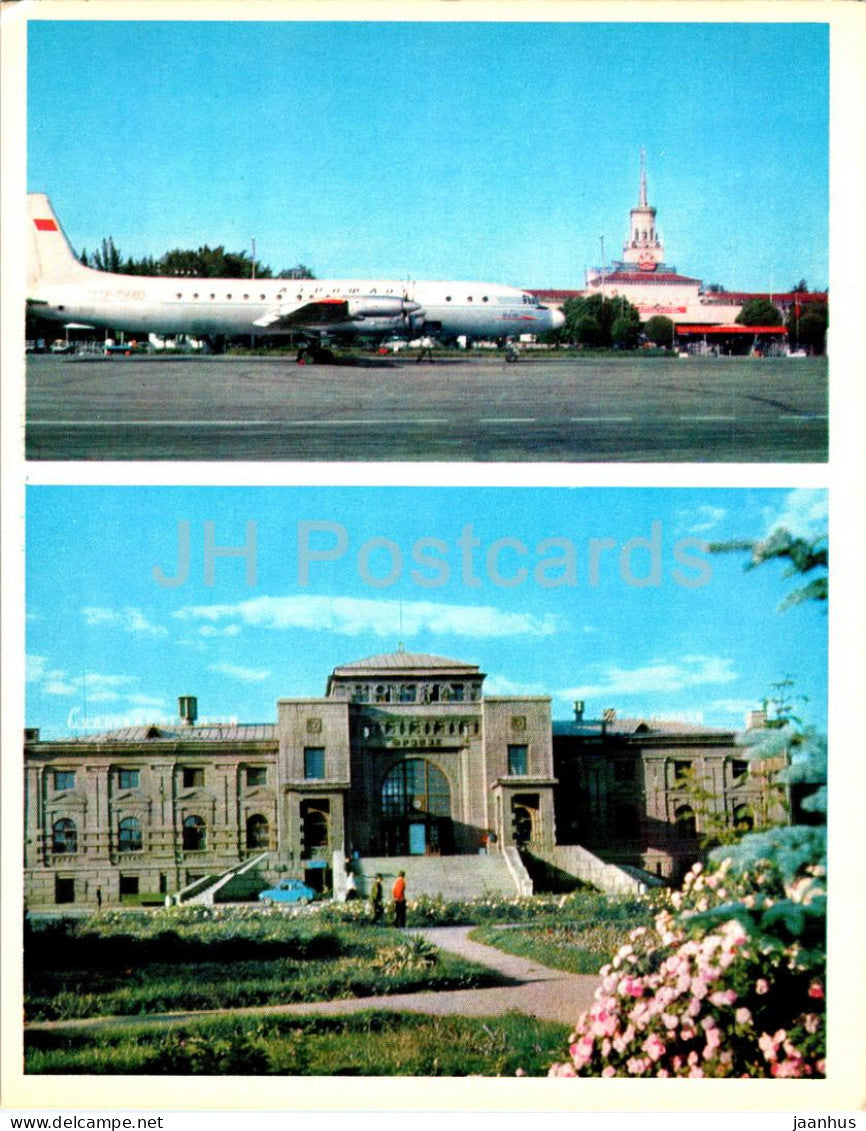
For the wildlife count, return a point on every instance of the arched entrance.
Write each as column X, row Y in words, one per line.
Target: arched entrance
column 524, row 818
column 416, row 809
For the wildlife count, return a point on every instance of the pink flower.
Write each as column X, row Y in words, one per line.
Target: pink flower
column 637, row 1065
column 654, row 1047
column 743, row 1016
column 609, row 1071
column 762, row 986
column 811, row 1022
column 562, row 1070
column 723, row 997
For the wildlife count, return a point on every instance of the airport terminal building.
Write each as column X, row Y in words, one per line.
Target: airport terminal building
column 404, row 758
column 654, row 287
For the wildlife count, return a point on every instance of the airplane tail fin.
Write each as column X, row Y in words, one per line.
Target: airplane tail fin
column 50, row 258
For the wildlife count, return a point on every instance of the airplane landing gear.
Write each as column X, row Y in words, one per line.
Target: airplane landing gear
column 511, row 352
column 315, row 355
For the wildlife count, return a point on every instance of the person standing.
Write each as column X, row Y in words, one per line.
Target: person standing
column 376, row 898
column 399, row 894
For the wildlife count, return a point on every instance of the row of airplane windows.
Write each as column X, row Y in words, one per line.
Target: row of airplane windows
column 317, row 293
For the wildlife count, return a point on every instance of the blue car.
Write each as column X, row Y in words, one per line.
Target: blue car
column 289, row 891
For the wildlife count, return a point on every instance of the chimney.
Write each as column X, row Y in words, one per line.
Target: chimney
column 187, row 708
column 609, row 714
column 755, row 720
column 31, row 734
column 579, row 706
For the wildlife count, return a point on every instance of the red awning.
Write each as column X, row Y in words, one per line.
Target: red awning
column 681, row 329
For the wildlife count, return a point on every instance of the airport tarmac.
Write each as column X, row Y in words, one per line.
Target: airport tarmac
column 474, row 409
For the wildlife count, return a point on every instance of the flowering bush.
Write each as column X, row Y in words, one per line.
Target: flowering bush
column 728, row 982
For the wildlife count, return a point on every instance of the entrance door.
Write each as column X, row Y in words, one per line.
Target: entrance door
column 417, row 838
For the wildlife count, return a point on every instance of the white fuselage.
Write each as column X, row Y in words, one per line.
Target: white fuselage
column 198, row 307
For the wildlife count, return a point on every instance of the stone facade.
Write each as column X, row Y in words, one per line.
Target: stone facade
column 403, row 755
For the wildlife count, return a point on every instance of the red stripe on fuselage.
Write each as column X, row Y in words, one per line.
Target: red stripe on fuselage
column 45, row 225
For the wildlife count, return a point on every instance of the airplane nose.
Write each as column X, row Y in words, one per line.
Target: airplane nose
column 557, row 319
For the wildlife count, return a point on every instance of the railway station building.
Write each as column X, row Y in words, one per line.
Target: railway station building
column 403, row 759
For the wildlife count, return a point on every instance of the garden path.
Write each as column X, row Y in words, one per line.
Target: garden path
column 538, row 991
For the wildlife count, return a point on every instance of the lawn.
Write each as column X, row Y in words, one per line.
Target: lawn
column 365, row 1044
column 116, row 966
column 586, row 932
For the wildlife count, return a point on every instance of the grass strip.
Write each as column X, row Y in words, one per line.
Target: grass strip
column 374, row 1043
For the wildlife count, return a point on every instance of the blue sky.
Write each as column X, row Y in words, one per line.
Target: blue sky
column 109, row 644
column 500, row 151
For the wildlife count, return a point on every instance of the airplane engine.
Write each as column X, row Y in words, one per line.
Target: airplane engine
column 382, row 306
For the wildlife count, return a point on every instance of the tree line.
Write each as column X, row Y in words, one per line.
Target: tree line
column 197, row 263
column 598, row 322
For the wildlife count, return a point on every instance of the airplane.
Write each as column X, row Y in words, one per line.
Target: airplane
column 62, row 289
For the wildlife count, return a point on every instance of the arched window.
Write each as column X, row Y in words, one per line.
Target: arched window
column 194, row 835
column 687, row 828
column 64, row 836
column 258, row 832
column 129, row 835
column 415, row 787
column 315, row 827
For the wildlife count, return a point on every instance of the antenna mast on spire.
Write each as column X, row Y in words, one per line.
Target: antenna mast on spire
column 642, row 203
column 401, row 647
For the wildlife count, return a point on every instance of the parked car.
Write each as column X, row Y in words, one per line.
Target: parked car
column 289, row 891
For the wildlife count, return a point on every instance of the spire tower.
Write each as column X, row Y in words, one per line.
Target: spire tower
column 643, row 247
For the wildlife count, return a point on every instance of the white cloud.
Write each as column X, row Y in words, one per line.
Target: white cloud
column 210, row 630
column 804, row 513
column 738, row 707
column 129, row 620
column 245, row 675
column 702, row 519
column 657, row 676
column 351, row 616
column 92, row 687
column 500, row 685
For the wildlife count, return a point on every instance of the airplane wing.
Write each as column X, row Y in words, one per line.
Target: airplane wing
column 323, row 310
column 329, row 311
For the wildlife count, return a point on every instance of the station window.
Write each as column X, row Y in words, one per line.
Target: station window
column 192, row 777
column 127, row 779
column 518, row 760
column 257, row 775
column 739, row 769
column 408, row 693
column 129, row 835
column 682, row 772
column 314, row 762
column 64, row 779
column 64, row 889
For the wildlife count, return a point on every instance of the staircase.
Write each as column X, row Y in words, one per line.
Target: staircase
column 452, row 877
column 203, row 891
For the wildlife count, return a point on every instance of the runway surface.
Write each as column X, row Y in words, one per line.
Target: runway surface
column 475, row 409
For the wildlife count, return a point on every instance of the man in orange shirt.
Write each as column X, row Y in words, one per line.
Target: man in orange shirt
column 399, row 894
